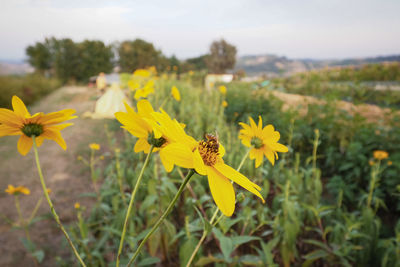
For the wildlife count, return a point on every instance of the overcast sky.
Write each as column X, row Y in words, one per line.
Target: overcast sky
column 294, row 28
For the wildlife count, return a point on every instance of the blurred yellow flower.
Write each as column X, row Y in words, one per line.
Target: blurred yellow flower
column 42, row 126
column 371, row 163
column 389, row 163
column 77, row 205
column 205, row 157
column 11, row 190
column 191, row 72
column 263, row 141
column 222, row 89
column 94, row 146
column 175, row 93
column 143, row 73
column 133, row 85
column 380, row 154
column 175, row 68
column 224, row 104
column 48, row 190
column 145, row 91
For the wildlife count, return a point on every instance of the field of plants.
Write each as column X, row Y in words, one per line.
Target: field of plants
column 314, row 188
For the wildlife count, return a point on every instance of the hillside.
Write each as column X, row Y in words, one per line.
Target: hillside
column 274, row 65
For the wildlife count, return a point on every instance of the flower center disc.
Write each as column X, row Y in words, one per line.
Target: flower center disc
column 256, row 142
column 32, row 129
column 209, row 151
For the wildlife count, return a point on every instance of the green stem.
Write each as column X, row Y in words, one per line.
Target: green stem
column 203, row 237
column 35, row 210
column 53, row 211
column 374, row 174
column 128, row 213
column 163, row 216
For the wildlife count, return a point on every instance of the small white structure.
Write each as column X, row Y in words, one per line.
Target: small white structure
column 211, row 79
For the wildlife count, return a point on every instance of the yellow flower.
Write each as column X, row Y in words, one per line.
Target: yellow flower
column 191, row 72
column 206, row 158
column 11, row 190
column 145, row 91
column 224, row 104
column 175, row 68
column 263, row 141
column 42, row 126
column 389, row 163
column 380, row 154
column 175, row 93
column 143, row 73
column 222, row 89
column 77, row 205
column 48, row 190
column 94, row 146
column 371, row 163
column 133, row 85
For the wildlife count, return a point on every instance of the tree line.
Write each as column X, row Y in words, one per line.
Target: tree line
column 78, row 61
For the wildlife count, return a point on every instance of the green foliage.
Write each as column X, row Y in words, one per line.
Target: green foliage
column 317, row 211
column 138, row 54
column 30, row 88
column 70, row 61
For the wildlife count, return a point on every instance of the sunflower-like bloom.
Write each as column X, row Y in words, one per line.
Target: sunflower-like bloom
column 380, row 154
column 205, row 157
column 43, row 126
column 224, row 104
column 175, row 93
column 11, row 190
column 145, row 91
column 222, row 89
column 94, row 146
column 263, row 141
column 139, row 124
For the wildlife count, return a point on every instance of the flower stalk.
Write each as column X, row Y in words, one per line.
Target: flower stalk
column 53, row 211
column 128, row 213
column 213, row 222
column 163, row 216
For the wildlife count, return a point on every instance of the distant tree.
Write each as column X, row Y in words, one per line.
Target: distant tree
column 95, row 57
column 39, row 57
column 222, row 57
column 137, row 54
column 67, row 60
column 197, row 63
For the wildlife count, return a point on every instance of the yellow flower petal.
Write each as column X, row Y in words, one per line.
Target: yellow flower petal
column 259, row 155
column 24, row 144
column 239, row 178
column 19, row 107
column 177, row 153
column 142, row 145
column 270, row 155
column 9, row 118
column 7, row 130
column 222, row 191
column 199, row 165
column 55, row 135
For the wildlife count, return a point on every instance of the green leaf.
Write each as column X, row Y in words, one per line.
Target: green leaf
column 149, row 261
column 313, row 256
column 39, row 255
column 238, row 240
column 186, row 250
column 226, row 244
column 29, row 245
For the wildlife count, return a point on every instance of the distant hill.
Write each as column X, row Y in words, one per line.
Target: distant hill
column 273, row 65
column 14, row 67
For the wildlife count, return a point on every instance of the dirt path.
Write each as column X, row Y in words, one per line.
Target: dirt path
column 66, row 177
